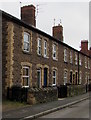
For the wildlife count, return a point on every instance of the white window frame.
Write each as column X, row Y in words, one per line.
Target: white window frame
column 86, row 77
column 80, row 61
column 26, row 42
column 65, row 55
column 65, row 76
column 55, row 51
column 39, row 46
column 76, row 59
column 45, row 48
column 80, row 77
column 71, row 57
column 28, row 76
column 54, row 77
column 39, row 70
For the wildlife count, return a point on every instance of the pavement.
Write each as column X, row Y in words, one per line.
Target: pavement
column 35, row 111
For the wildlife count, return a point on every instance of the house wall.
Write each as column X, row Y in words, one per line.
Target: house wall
column 14, row 58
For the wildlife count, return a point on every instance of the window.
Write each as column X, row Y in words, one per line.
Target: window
column 54, row 51
column 85, row 62
column 71, row 74
column 88, row 64
column 71, row 57
column 65, row 55
column 76, row 77
column 80, row 77
column 54, row 77
column 39, row 46
column 80, row 62
column 86, row 77
column 75, row 58
column 45, row 48
column 65, row 77
column 39, row 78
column 25, row 76
column 26, row 45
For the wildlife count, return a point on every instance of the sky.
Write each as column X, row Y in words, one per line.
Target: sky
column 74, row 17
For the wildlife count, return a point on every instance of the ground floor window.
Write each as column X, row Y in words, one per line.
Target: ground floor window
column 39, row 78
column 71, row 77
column 65, row 77
column 54, row 77
column 76, row 78
column 88, row 78
column 26, row 76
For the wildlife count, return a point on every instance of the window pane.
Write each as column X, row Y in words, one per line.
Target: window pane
column 54, row 81
column 54, row 73
column 25, row 81
column 26, row 41
column 26, row 37
column 25, row 71
column 26, row 46
column 45, row 44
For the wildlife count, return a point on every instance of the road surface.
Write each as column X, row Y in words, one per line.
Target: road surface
column 80, row 110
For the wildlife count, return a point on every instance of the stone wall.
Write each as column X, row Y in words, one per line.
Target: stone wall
column 42, row 95
column 73, row 90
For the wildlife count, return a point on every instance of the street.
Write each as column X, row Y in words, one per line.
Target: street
column 80, row 110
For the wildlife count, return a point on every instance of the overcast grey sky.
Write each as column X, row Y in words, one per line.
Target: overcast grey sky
column 74, row 17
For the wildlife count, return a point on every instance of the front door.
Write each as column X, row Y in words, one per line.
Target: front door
column 45, row 77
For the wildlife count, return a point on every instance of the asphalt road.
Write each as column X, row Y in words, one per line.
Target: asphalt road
column 80, row 110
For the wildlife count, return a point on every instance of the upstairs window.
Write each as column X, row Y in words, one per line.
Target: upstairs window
column 54, row 51
column 25, row 76
column 80, row 77
column 88, row 64
column 71, row 57
column 80, row 62
column 26, row 45
column 75, row 58
column 85, row 62
column 39, row 46
column 65, row 55
column 45, row 48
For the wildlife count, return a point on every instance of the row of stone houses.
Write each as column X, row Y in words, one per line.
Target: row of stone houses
column 33, row 58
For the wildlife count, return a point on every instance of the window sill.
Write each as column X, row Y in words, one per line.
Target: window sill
column 25, row 52
column 25, row 86
column 53, row 85
column 55, row 59
column 66, row 62
column 46, row 57
column 85, row 67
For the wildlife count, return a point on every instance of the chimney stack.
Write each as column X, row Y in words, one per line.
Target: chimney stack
column 28, row 15
column 57, row 32
column 84, row 47
column 90, row 52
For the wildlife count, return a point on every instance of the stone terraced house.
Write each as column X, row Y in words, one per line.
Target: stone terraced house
column 33, row 58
